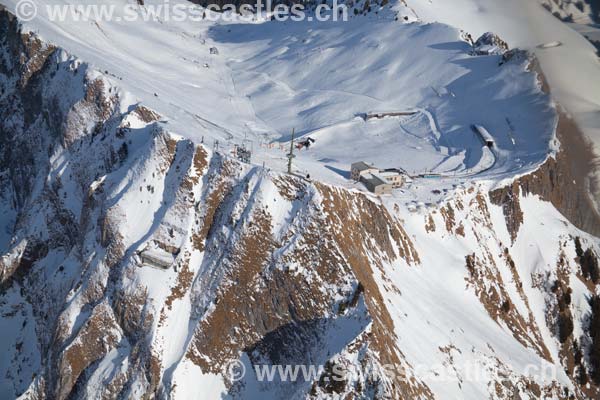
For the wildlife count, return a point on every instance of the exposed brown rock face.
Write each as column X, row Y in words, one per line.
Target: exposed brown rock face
column 333, row 242
column 508, row 198
column 241, row 287
column 566, row 180
column 215, row 336
column 430, row 224
column 561, row 180
column 333, row 248
column 448, row 214
column 484, row 271
column 39, row 118
column 356, row 219
column 491, row 289
column 97, row 336
column 562, row 316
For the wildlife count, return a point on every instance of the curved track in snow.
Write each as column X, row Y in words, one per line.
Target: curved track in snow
column 487, row 161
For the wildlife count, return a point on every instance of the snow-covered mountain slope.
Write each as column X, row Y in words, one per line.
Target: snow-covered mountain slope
column 275, row 77
column 579, row 12
column 317, row 78
column 139, row 263
column 569, row 61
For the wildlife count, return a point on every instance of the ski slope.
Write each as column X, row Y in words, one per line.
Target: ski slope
column 271, row 77
column 572, row 69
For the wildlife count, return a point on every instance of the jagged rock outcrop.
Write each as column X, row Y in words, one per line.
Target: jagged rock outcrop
column 563, row 180
column 253, row 266
column 582, row 11
column 490, row 44
column 79, row 164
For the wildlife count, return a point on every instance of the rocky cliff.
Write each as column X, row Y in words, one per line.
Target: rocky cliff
column 138, row 264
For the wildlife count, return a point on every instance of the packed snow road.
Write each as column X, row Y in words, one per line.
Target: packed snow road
column 411, row 130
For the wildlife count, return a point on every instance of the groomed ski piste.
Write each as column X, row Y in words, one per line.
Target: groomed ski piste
column 225, row 83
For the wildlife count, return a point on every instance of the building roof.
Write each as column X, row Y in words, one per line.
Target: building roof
column 485, row 135
column 158, row 257
column 375, row 180
column 398, row 170
column 389, row 173
column 361, row 166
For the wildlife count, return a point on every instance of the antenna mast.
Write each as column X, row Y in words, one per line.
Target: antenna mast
column 291, row 153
